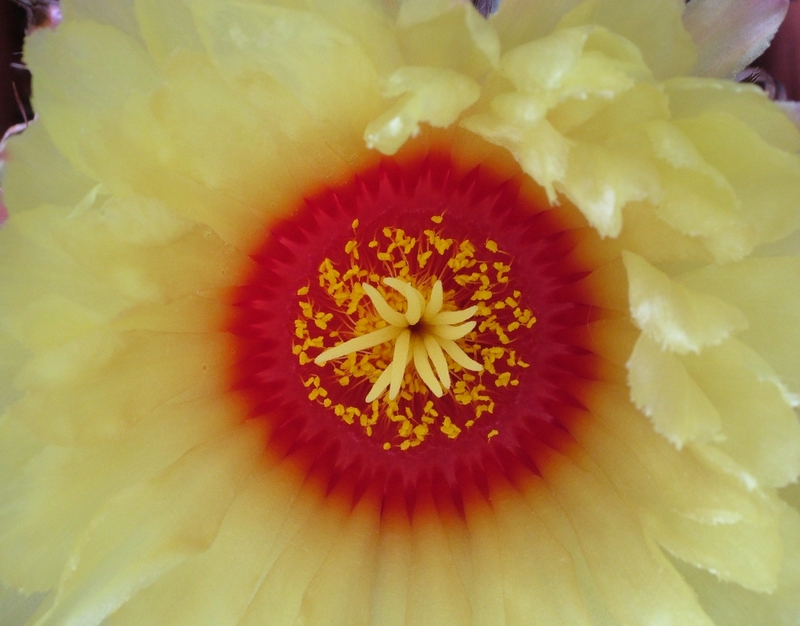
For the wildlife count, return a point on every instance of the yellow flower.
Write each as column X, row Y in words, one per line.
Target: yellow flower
column 379, row 312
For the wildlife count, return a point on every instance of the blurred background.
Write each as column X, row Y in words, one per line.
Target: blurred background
column 781, row 61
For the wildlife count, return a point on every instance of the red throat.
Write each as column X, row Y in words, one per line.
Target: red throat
column 497, row 246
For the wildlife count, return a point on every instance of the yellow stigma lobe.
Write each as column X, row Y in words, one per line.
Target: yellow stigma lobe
column 423, row 334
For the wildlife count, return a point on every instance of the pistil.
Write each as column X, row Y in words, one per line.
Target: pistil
column 423, row 334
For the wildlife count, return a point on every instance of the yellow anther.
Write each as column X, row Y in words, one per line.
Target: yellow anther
column 437, row 219
column 491, row 246
column 492, row 433
column 302, row 291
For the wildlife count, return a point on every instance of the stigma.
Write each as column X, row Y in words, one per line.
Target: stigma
column 423, row 334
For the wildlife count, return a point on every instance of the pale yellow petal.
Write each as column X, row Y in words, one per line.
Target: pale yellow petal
column 84, row 63
column 339, row 594
column 426, row 94
column 665, row 392
column 80, row 393
column 61, row 489
column 636, row 581
column 280, row 595
column 740, row 542
column 289, row 46
column 538, row 574
column 151, row 527
column 654, row 26
column 488, row 604
column 731, row 605
column 697, row 199
column 436, row 592
column 36, row 159
column 766, row 291
column 679, row 319
column 690, row 97
column 448, row 35
column 393, row 569
column 766, row 180
column 732, row 377
column 189, row 593
column 118, row 14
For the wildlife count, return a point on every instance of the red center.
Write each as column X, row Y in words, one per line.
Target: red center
column 479, row 203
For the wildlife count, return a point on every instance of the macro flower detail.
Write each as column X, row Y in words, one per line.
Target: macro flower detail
column 383, row 312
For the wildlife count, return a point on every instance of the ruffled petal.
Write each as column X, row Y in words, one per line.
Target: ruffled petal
column 741, row 385
column 731, row 34
column 678, row 319
column 714, row 521
column 664, row 391
column 427, row 94
column 766, row 291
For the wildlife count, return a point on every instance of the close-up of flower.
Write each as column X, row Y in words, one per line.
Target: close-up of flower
column 401, row 312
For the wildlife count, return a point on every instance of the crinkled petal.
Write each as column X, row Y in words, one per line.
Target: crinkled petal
column 426, row 94
column 713, row 521
column 678, row 319
column 731, row 34
column 766, row 291
column 740, row 385
column 664, row 391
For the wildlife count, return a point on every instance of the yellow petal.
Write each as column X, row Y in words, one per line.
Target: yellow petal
column 663, row 390
column 280, row 595
column 188, row 594
column 766, row 291
column 634, row 578
column 732, row 377
column 339, row 594
column 678, row 319
column 538, row 574
column 151, row 527
column 448, row 35
column 393, row 569
column 427, row 94
column 436, row 592
column 36, row 159
column 80, row 393
column 63, row 488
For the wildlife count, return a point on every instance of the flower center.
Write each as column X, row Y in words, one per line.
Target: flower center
column 429, row 321
column 441, row 324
